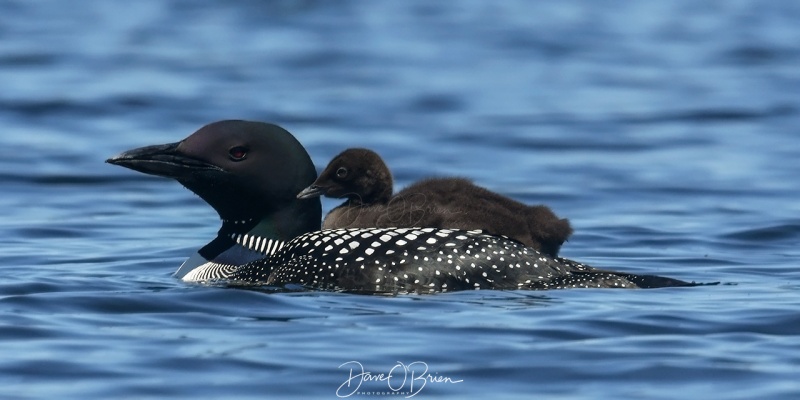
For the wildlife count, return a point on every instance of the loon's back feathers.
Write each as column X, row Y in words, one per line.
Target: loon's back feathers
column 249, row 172
column 361, row 176
column 418, row 260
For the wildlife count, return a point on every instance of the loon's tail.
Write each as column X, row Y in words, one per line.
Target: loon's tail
column 655, row 281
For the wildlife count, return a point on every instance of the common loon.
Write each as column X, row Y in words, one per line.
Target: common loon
column 361, row 176
column 251, row 172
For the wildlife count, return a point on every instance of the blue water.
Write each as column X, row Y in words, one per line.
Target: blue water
column 666, row 131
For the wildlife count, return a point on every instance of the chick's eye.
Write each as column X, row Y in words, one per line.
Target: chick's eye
column 341, row 172
column 237, row 153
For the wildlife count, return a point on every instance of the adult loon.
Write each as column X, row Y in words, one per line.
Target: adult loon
column 251, row 172
column 361, row 176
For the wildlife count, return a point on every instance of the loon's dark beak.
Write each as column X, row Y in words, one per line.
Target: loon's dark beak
column 162, row 160
column 312, row 191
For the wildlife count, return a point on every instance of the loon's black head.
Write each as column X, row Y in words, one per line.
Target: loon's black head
column 247, row 171
column 357, row 174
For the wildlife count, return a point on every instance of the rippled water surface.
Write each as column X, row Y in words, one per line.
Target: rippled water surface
column 666, row 131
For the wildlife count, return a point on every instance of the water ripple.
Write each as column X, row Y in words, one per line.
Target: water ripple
column 665, row 132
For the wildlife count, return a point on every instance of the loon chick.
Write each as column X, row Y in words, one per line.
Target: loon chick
column 362, row 177
column 250, row 172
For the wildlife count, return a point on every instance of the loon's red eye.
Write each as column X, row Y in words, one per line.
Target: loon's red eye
column 237, row 153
